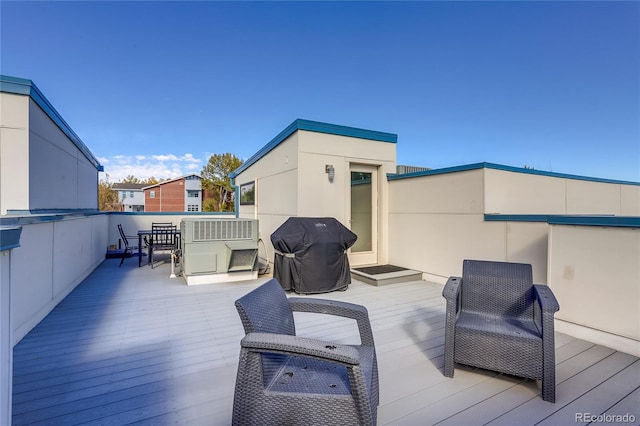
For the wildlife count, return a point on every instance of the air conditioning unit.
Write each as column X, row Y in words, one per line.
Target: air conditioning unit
column 219, row 250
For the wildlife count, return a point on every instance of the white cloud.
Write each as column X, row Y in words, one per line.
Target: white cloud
column 169, row 157
column 161, row 166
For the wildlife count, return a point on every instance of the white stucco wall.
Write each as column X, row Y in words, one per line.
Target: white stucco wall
column 291, row 179
column 53, row 258
column 437, row 221
column 14, row 152
column 447, row 212
column 320, row 198
column 508, row 192
column 6, row 342
column 60, row 177
column 276, row 179
column 595, row 274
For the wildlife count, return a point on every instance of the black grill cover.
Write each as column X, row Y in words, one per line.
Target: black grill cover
column 311, row 254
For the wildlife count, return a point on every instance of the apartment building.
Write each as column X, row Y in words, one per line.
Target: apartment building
column 130, row 196
column 183, row 194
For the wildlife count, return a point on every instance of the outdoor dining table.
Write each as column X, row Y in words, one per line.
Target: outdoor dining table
column 146, row 232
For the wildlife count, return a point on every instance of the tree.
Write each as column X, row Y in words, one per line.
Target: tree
column 215, row 178
column 132, row 179
column 107, row 196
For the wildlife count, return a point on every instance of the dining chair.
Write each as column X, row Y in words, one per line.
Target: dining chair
column 163, row 238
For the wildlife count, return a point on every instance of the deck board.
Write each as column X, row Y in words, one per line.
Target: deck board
column 131, row 346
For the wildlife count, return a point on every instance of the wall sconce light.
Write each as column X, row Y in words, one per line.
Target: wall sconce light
column 330, row 171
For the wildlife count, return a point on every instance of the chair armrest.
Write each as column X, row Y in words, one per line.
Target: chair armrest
column 546, row 299
column 294, row 345
column 337, row 308
column 452, row 289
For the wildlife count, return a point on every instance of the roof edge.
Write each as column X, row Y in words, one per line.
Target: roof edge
column 476, row 166
column 21, row 86
column 573, row 220
column 318, row 127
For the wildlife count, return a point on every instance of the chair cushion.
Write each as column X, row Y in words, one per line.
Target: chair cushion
column 507, row 345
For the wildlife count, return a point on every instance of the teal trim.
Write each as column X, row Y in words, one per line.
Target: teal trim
column 20, row 86
column 171, row 213
column 475, row 166
column 334, row 129
column 52, row 211
column 575, row 220
column 516, row 218
column 30, row 219
column 613, row 221
column 494, row 166
column 319, row 127
column 10, row 237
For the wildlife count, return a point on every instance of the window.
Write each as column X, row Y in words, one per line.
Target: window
column 130, row 194
column 193, row 208
column 152, row 194
column 248, row 194
column 193, row 194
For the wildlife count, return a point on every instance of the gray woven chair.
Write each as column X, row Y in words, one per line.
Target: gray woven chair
column 284, row 379
column 497, row 319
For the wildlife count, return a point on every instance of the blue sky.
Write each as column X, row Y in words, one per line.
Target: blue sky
column 155, row 88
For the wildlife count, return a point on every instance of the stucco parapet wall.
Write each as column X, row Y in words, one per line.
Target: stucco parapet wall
column 20, row 86
column 319, row 127
column 604, row 221
column 493, row 166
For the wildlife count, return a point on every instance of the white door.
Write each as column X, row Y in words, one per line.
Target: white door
column 364, row 214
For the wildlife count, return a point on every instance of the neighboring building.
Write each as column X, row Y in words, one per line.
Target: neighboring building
column 130, row 196
column 183, row 194
column 44, row 166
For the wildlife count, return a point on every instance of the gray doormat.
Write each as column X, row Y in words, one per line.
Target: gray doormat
column 380, row 269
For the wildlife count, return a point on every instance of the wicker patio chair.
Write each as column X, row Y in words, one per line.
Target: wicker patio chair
column 284, row 379
column 497, row 319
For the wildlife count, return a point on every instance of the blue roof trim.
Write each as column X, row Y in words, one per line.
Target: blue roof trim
column 516, row 217
column 581, row 220
column 615, row 221
column 319, row 127
column 475, row 166
column 334, row 129
column 27, row 212
column 494, row 166
column 10, row 237
column 20, row 86
column 230, row 214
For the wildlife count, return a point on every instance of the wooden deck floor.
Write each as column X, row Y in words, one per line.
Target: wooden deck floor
column 131, row 346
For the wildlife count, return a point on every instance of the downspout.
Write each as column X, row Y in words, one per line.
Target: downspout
column 236, row 201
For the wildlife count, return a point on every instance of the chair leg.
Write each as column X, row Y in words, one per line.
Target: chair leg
column 549, row 383
column 449, row 345
column 124, row 254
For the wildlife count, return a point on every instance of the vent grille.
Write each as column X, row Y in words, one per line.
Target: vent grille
column 242, row 259
column 217, row 230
